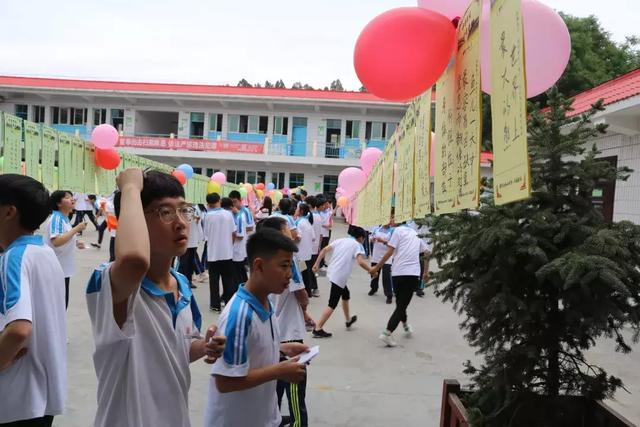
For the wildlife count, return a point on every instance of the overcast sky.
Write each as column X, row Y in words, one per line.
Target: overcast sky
column 213, row 41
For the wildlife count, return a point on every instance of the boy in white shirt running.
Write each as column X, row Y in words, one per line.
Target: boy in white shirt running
column 405, row 246
column 144, row 316
column 33, row 340
column 345, row 253
column 242, row 386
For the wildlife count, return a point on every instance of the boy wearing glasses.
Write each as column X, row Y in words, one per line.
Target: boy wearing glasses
column 145, row 319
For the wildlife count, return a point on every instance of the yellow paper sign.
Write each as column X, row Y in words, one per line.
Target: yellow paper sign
column 387, row 180
column 49, row 149
column 65, row 161
column 89, row 183
column 422, row 190
column 459, row 121
column 12, row 147
column 32, row 143
column 404, row 200
column 511, row 171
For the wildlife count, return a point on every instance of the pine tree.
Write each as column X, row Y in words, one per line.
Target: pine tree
column 336, row 85
column 296, row 85
column 280, row 84
column 268, row 84
column 244, row 83
column 538, row 281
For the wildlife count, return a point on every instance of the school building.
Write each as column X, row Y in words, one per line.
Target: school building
column 618, row 200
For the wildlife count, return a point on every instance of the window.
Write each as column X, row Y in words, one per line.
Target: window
column 296, row 180
column 281, row 125
column 248, row 124
column 99, row 116
column 22, row 111
column 251, row 177
column 38, row 113
column 117, row 118
column 334, row 124
column 78, row 116
column 197, row 171
column 278, row 179
column 390, row 128
column 59, row 115
column 329, row 184
column 353, row 129
column 235, row 177
column 197, row 126
column 215, row 122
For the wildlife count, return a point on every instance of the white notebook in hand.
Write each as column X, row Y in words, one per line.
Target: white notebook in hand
column 306, row 357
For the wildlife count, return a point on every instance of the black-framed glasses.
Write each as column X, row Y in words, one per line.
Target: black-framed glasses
column 168, row 214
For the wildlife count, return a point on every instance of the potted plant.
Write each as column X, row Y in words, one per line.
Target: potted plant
column 538, row 281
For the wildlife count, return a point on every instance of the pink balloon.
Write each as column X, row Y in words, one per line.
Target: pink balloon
column 104, row 136
column 351, row 180
column 369, row 158
column 449, row 8
column 286, row 190
column 219, row 177
column 547, row 47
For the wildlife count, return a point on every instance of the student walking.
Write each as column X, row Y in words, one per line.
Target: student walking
column 380, row 237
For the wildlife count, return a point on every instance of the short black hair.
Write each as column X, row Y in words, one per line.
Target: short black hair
column 213, row 198
column 304, row 193
column 56, row 198
column 92, row 197
column 226, row 203
column 266, row 243
column 273, row 222
column 356, row 232
column 285, row 206
column 311, row 201
column 155, row 185
column 235, row 194
column 29, row 197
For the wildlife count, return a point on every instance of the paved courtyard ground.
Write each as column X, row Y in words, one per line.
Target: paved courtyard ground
column 354, row 381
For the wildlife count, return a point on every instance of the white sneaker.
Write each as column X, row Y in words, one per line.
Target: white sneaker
column 387, row 339
column 408, row 330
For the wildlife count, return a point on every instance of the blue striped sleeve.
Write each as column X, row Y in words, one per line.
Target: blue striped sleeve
column 237, row 333
column 248, row 215
column 11, row 278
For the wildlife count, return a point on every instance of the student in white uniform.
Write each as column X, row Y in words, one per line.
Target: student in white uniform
column 313, row 202
column 84, row 206
column 242, row 387
column 405, row 247
column 187, row 262
column 345, row 253
column 239, row 243
column 380, row 235
column 290, row 307
column 33, row 341
column 286, row 210
column 245, row 211
column 326, row 212
column 306, row 244
column 219, row 229
column 61, row 236
column 144, row 317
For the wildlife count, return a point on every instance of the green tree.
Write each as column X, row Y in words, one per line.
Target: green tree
column 296, row 85
column 538, row 281
column 280, row 84
column 268, row 84
column 336, row 85
column 595, row 56
column 362, row 89
column 244, row 83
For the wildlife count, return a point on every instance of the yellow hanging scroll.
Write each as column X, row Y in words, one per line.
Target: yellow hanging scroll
column 511, row 170
column 422, row 206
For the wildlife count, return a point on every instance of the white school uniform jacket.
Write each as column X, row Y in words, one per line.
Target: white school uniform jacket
column 253, row 342
column 248, row 217
column 195, row 230
column 32, row 288
column 218, row 230
column 317, row 229
column 56, row 225
column 290, row 221
column 343, row 255
column 379, row 248
column 408, row 247
column 240, row 246
column 143, row 367
column 307, row 239
column 288, row 311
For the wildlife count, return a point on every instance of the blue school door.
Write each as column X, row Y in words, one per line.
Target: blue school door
column 299, row 137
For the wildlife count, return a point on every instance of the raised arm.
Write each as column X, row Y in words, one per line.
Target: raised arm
column 132, row 243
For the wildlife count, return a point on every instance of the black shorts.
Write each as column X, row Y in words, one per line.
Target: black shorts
column 336, row 293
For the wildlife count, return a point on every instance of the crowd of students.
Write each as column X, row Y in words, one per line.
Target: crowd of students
column 145, row 320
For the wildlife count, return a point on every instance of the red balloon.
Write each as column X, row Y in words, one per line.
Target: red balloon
column 107, row 159
column 260, row 186
column 180, row 176
column 403, row 52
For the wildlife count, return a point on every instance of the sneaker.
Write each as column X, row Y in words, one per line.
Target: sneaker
column 215, row 309
column 408, row 330
column 315, row 293
column 321, row 334
column 323, row 269
column 387, row 339
column 420, row 293
column 353, row 320
column 389, row 300
column 95, row 245
column 372, row 292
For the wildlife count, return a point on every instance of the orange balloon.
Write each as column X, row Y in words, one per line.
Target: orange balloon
column 343, row 201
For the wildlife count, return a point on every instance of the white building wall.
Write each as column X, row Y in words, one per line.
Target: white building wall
column 627, row 196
